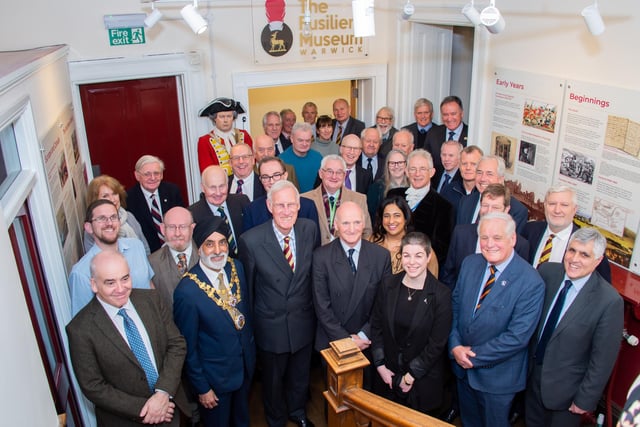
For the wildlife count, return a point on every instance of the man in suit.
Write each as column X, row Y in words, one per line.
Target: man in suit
column 102, row 222
column 423, row 113
column 212, row 310
column 464, row 240
column 215, row 200
column 548, row 239
column 277, row 259
column 244, row 180
column 490, row 170
column 385, row 119
column 263, row 147
column 126, row 352
column 432, row 214
column 328, row 196
column 578, row 337
column 343, row 123
column 272, row 125
column 449, row 183
column 452, row 128
column 356, row 177
column 288, row 120
column 177, row 256
column 272, row 170
column 371, row 160
column 403, row 140
column 346, row 274
column 496, row 306
column 151, row 197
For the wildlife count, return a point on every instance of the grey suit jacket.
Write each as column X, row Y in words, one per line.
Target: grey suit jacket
column 343, row 302
column 282, row 303
column 108, row 371
column 347, row 196
column 167, row 276
column 583, row 348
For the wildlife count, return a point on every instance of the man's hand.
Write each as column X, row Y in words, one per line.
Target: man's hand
column 386, row 375
column 462, row 354
column 575, row 410
column 209, row 400
column 157, row 409
column 362, row 344
column 407, row 378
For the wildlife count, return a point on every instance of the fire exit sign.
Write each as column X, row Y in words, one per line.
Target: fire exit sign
column 123, row 36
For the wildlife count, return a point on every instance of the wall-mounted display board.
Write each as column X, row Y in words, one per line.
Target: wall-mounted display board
column 551, row 130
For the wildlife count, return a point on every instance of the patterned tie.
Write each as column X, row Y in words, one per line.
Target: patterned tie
column 339, row 135
column 157, row 217
column 423, row 131
column 138, row 348
column 369, row 165
column 444, row 182
column 552, row 320
column 223, row 290
column 347, row 180
column 487, row 286
column 451, row 134
column 288, row 253
column 182, row 262
column 239, row 189
column 546, row 251
column 352, row 264
column 232, row 242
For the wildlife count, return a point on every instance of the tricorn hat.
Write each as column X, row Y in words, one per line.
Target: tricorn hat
column 221, row 104
column 207, row 227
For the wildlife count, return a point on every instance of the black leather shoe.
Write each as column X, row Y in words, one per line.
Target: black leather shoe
column 302, row 422
column 451, row 416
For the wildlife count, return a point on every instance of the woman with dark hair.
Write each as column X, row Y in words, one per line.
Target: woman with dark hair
column 109, row 188
column 410, row 326
column 392, row 220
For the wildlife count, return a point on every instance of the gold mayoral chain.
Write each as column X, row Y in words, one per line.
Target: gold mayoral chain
column 225, row 299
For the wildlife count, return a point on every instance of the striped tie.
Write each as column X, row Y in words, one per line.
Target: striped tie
column 157, row 217
column 288, row 254
column 546, row 251
column 487, row 286
column 233, row 250
column 239, row 189
column 339, row 135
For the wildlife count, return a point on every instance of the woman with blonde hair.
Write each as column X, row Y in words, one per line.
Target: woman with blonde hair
column 394, row 177
column 109, row 188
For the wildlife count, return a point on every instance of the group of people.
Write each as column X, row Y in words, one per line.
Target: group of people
column 406, row 241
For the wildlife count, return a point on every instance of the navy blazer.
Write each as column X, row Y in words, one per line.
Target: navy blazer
column 170, row 197
column 533, row 231
column 468, row 203
column 353, row 127
column 258, row 189
column 257, row 213
column 381, row 160
column 453, row 191
column 500, row 330
column 436, row 137
column 463, row 243
column 219, row 357
column 419, row 140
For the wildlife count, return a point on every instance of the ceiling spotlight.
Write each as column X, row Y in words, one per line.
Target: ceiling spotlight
column 306, row 26
column 592, row 18
column 193, row 18
column 471, row 13
column 491, row 18
column 407, row 10
column 152, row 18
column 364, row 24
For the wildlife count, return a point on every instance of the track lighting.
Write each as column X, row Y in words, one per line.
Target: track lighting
column 592, row 18
column 152, row 18
column 471, row 13
column 491, row 18
column 407, row 10
column 193, row 18
column 364, row 24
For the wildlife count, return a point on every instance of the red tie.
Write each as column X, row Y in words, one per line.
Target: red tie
column 288, row 254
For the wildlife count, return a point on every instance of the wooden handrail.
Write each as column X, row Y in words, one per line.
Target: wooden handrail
column 350, row 405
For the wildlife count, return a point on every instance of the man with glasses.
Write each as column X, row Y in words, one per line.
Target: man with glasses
column 151, row 197
column 102, row 222
column 384, row 124
column 263, row 147
column 272, row 170
column 244, row 180
column 432, row 213
column 356, row 177
column 328, row 196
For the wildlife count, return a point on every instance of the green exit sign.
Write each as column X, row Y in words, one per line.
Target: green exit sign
column 122, row 36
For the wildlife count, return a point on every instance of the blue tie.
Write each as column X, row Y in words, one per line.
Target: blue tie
column 552, row 320
column 138, row 348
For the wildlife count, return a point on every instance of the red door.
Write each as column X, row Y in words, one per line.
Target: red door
column 127, row 119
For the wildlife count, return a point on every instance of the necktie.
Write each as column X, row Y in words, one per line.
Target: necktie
column 339, row 135
column 239, row 189
column 347, row 180
column 222, row 287
column 487, row 286
column 423, row 131
column 182, row 263
column 552, row 320
column 157, row 217
column 352, row 264
column 444, row 182
column 546, row 251
column 451, row 133
column 288, row 254
column 138, row 348
column 231, row 240
column 369, row 165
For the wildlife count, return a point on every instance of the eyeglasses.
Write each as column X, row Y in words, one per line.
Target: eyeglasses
column 397, row 164
column 104, row 219
column 275, row 177
column 173, row 227
column 152, row 174
column 384, row 119
column 242, row 157
column 331, row 172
